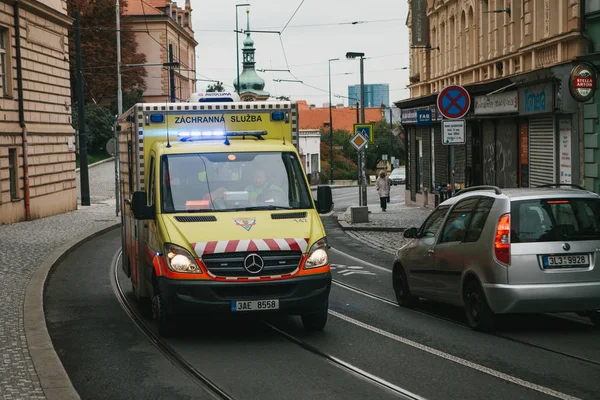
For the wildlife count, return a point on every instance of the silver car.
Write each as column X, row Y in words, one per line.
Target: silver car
column 506, row 251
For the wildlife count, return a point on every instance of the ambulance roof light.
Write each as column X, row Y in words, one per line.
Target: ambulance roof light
column 197, row 135
column 214, row 97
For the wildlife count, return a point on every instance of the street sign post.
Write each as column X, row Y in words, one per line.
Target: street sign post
column 454, row 102
column 366, row 130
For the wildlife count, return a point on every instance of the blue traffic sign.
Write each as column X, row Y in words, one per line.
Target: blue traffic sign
column 424, row 117
column 366, row 130
column 454, row 102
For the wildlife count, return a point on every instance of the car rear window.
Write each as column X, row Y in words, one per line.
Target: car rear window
column 548, row 220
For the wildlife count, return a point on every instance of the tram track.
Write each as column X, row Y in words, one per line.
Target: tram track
column 210, row 386
column 203, row 381
column 458, row 323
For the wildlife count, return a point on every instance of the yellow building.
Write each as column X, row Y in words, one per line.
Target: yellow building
column 37, row 142
column 514, row 58
column 158, row 24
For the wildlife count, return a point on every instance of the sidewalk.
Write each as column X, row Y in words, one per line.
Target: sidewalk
column 28, row 369
column 385, row 230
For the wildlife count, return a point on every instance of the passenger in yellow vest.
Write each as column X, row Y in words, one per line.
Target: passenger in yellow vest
column 262, row 187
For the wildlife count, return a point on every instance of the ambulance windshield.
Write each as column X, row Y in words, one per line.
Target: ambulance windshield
column 232, row 181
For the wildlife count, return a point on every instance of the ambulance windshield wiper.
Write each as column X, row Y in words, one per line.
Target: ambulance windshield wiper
column 269, row 207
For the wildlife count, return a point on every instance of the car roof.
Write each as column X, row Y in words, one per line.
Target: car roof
column 524, row 194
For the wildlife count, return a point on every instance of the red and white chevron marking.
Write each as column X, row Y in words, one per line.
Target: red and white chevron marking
column 233, row 246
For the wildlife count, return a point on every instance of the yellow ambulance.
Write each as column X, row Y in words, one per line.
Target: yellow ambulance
column 218, row 215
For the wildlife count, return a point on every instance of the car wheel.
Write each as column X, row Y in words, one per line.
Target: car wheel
column 594, row 316
column 400, row 283
column 479, row 315
column 315, row 321
column 164, row 321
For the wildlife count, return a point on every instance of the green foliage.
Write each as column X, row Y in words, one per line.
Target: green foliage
column 99, row 126
column 345, row 160
column 217, row 87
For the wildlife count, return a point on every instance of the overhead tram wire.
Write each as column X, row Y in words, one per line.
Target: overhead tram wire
column 292, row 17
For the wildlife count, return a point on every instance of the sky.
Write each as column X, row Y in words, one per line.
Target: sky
column 381, row 34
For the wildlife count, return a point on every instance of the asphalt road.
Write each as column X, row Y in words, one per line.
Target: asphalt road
column 348, row 196
column 427, row 351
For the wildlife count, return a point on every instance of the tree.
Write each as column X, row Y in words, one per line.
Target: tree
column 99, row 126
column 99, row 53
column 217, row 87
column 129, row 100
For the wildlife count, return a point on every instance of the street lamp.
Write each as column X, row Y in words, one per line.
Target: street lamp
column 362, row 194
column 237, row 46
column 330, row 126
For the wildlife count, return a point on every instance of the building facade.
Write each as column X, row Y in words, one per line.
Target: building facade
column 37, row 142
column 376, row 94
column 158, row 24
column 514, row 58
column 310, row 152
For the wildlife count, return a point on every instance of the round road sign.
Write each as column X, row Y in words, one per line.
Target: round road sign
column 454, row 102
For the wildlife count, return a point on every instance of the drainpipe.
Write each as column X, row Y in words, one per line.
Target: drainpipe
column 22, row 111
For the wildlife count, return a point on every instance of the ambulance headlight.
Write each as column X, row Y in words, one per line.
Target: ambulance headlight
column 317, row 255
column 180, row 260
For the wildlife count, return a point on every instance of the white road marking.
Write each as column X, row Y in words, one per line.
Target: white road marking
column 355, row 267
column 349, row 272
column 361, row 261
column 455, row 359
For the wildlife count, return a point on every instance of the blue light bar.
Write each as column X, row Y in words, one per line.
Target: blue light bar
column 277, row 116
column 157, row 118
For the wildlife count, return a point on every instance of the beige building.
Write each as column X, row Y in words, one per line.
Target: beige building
column 513, row 58
column 160, row 23
column 37, row 152
column 478, row 40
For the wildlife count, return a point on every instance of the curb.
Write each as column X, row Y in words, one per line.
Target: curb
column 97, row 163
column 348, row 227
column 54, row 380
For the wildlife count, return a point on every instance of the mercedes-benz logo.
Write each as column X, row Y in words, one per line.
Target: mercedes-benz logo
column 253, row 263
column 566, row 247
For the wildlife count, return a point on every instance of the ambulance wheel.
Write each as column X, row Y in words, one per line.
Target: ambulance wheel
column 315, row 321
column 164, row 321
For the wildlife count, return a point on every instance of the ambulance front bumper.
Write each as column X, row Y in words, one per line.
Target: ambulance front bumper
column 297, row 296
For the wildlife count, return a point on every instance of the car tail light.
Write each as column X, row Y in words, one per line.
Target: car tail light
column 502, row 240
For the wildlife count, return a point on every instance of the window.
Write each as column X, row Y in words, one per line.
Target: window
column 433, row 223
column 233, row 181
column 458, row 220
column 478, row 219
column 3, row 61
column 12, row 173
column 550, row 220
column 151, row 189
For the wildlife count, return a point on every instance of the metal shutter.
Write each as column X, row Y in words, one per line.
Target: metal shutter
column 541, row 151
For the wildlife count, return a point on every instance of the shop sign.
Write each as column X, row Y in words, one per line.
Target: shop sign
column 501, row 103
column 423, row 117
column 409, row 115
column 419, row 23
column 564, row 152
column 536, row 99
column 582, row 82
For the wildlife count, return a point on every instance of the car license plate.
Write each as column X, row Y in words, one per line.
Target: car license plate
column 573, row 260
column 255, row 305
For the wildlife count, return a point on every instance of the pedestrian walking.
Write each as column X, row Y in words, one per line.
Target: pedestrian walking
column 383, row 188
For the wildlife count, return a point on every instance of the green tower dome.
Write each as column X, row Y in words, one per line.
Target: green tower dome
column 250, row 82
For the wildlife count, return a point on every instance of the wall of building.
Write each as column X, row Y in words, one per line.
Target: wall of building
column 471, row 45
column 47, row 112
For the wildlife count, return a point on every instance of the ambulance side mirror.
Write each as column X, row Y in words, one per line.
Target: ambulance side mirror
column 139, row 208
column 324, row 199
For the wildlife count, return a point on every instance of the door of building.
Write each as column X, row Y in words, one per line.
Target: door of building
column 542, row 152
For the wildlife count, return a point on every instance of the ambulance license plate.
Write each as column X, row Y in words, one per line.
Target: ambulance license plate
column 255, row 305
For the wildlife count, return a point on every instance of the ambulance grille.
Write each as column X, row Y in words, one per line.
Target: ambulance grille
column 196, row 218
column 292, row 215
column 232, row 264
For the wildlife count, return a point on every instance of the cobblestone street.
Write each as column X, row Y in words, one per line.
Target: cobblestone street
column 23, row 246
